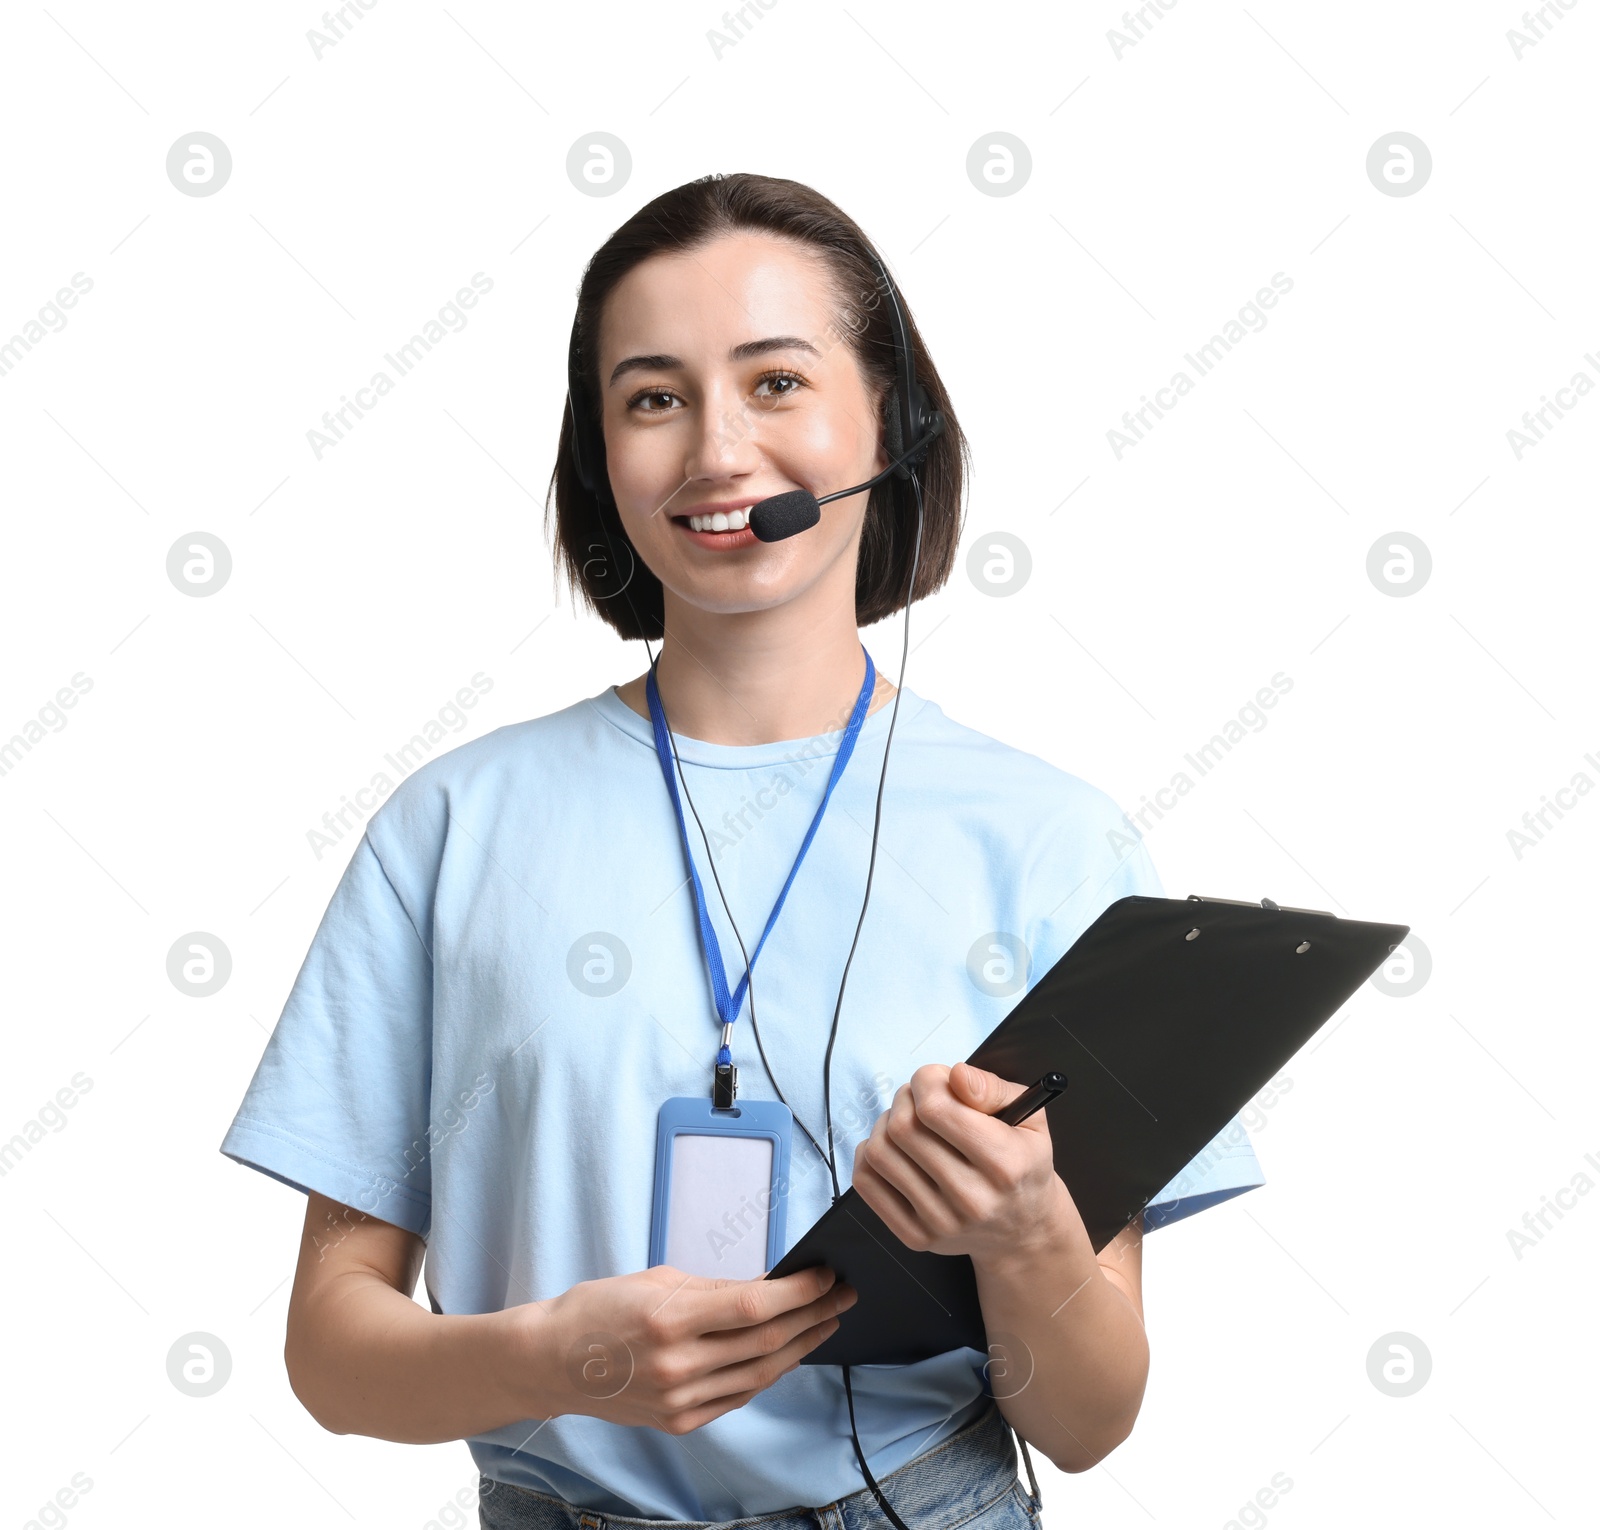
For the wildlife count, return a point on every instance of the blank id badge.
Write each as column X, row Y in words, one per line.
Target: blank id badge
column 722, row 1183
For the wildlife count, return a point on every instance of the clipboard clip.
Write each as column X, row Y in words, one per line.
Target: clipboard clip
column 1264, row 903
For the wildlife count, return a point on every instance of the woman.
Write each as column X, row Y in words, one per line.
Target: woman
column 512, row 977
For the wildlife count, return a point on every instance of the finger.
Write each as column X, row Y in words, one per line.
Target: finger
column 755, row 1373
column 720, row 1348
column 970, row 1131
column 962, row 1186
column 695, row 1417
column 948, row 1168
column 705, row 1303
column 981, row 1090
column 900, row 1170
column 895, row 1211
column 795, row 1283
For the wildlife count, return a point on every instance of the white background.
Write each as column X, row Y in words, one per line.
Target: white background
column 1168, row 184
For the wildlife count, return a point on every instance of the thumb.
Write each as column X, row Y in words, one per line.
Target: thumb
column 982, row 1090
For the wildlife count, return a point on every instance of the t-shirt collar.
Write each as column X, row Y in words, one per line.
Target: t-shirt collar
column 696, row 751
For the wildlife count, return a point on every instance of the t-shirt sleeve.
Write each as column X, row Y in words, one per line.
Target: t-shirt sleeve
column 339, row 1102
column 1121, row 866
column 1225, row 1167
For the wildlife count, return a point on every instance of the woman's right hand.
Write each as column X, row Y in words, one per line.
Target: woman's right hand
column 667, row 1349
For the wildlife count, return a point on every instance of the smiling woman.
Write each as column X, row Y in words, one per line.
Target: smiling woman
column 734, row 334
column 524, row 917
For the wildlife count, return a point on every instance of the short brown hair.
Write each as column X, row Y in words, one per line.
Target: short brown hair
column 687, row 218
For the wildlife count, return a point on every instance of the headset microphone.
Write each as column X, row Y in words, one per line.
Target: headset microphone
column 784, row 515
column 796, row 510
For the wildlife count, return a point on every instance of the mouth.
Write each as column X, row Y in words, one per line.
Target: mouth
column 720, row 530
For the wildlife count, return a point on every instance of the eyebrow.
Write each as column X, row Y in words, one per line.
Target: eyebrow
column 745, row 352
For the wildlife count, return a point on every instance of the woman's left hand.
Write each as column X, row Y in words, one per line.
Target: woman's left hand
column 946, row 1177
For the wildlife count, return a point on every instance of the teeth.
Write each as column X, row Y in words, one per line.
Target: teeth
column 732, row 520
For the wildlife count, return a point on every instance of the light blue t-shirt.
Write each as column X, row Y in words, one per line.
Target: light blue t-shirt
column 508, row 982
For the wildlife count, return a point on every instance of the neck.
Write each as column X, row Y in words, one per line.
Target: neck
column 757, row 677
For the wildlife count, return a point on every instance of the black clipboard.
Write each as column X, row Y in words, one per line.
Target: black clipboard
column 1167, row 1015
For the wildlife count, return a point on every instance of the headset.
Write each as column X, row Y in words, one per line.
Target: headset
column 909, row 415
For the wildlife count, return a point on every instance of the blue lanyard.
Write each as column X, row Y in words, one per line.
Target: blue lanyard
column 729, row 1005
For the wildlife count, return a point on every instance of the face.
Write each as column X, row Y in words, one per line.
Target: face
column 726, row 377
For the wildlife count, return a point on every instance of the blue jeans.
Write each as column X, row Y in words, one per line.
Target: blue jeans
column 969, row 1480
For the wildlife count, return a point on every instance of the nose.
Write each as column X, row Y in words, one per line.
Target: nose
column 724, row 442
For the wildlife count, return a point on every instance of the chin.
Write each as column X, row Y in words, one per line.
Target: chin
column 740, row 603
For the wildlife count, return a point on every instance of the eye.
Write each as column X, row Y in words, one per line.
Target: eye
column 793, row 378
column 648, row 393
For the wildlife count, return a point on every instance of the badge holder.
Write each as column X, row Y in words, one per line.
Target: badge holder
column 721, row 1188
column 722, row 1168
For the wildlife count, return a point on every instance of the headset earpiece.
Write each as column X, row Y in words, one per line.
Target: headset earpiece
column 588, row 455
column 893, row 442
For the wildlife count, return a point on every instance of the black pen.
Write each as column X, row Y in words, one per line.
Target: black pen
column 1035, row 1097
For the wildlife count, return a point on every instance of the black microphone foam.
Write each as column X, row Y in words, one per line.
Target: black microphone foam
column 784, row 515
